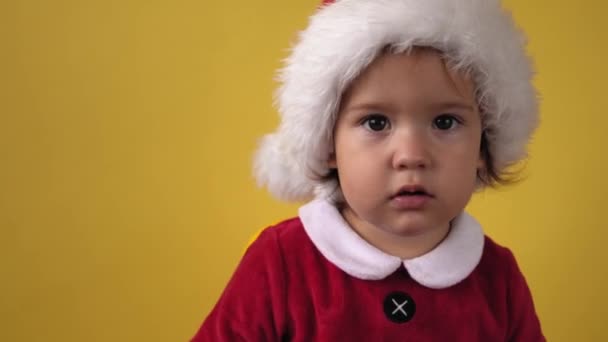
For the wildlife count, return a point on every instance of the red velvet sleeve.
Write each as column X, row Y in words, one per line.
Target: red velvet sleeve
column 252, row 306
column 524, row 324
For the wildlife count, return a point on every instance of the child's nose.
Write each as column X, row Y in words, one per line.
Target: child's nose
column 410, row 151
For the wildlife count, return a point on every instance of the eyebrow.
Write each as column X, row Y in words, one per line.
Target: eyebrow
column 453, row 104
column 437, row 106
column 380, row 106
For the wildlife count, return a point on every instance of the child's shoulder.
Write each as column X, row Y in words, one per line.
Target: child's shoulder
column 283, row 231
column 496, row 250
column 282, row 236
column 497, row 257
column 282, row 248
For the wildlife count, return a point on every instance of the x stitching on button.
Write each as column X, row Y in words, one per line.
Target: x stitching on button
column 399, row 307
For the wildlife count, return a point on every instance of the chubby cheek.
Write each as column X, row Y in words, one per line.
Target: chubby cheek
column 356, row 179
column 460, row 177
column 360, row 180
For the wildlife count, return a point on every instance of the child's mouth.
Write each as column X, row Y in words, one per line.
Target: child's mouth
column 411, row 191
column 411, row 197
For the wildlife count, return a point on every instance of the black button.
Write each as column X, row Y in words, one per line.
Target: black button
column 399, row 307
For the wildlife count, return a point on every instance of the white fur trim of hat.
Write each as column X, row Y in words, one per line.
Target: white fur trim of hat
column 344, row 36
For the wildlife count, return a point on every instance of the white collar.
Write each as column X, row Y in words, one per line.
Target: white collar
column 446, row 265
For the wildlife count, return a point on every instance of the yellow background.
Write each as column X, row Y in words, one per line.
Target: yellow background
column 126, row 134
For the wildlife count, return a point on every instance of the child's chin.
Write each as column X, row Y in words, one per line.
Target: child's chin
column 412, row 227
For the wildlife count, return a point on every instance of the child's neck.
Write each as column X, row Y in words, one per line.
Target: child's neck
column 404, row 246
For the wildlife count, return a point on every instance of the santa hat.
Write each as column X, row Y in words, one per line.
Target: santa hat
column 344, row 36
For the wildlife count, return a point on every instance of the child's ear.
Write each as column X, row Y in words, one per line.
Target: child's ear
column 484, row 154
column 331, row 160
column 480, row 169
column 481, row 162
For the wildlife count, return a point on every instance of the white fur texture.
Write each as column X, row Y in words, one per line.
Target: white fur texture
column 446, row 265
column 344, row 37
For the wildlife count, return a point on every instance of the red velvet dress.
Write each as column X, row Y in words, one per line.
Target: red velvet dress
column 312, row 278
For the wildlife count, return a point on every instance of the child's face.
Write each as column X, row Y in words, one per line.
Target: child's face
column 407, row 122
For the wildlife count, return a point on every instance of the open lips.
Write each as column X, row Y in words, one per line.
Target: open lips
column 412, row 190
column 411, row 197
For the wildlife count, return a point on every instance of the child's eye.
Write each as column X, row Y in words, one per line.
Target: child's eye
column 376, row 122
column 445, row 122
